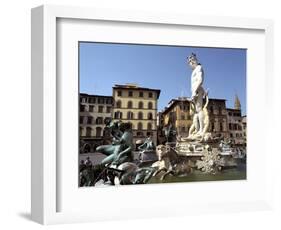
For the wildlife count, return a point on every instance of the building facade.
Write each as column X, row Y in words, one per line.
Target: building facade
column 138, row 106
column 236, row 127
column 178, row 114
column 94, row 111
column 218, row 118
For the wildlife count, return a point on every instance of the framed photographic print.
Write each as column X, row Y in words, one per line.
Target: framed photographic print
column 136, row 110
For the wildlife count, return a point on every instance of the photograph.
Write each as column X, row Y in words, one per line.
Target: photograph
column 151, row 113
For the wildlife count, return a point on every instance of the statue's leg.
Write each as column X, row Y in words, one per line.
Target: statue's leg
column 166, row 174
column 159, row 170
column 201, row 121
column 108, row 159
column 106, row 149
column 195, row 122
column 124, row 156
column 199, row 110
column 112, row 151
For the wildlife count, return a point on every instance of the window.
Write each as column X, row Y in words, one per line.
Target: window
column 130, row 104
column 140, row 134
column 221, row 127
column 130, row 93
column 108, row 101
column 140, row 115
column 130, row 115
column 91, row 108
column 230, row 126
column 149, row 134
column 220, row 110
column 140, row 94
column 149, row 116
column 139, row 126
column 150, row 105
column 119, row 93
column 84, row 99
column 118, row 104
column 81, row 131
column 92, row 100
column 100, row 109
column 98, row 131
column 106, row 120
column 82, row 108
column 90, row 120
column 149, row 126
column 211, row 109
column 131, row 125
column 81, row 120
column 108, row 109
column 118, row 115
column 88, row 131
column 150, row 94
column 140, row 105
column 182, row 117
column 99, row 121
column 100, row 100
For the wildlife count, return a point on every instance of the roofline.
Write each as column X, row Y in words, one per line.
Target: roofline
column 136, row 88
column 95, row 95
column 231, row 109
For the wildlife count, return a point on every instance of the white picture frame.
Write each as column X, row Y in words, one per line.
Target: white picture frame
column 48, row 179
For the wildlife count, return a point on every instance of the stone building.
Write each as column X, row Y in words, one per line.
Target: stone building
column 94, row 111
column 138, row 106
column 178, row 114
column 244, row 127
column 218, row 118
column 235, row 123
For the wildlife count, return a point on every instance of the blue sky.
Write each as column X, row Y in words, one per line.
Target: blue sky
column 162, row 67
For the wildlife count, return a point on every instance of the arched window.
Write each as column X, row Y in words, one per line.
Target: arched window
column 139, row 126
column 149, row 126
column 140, row 105
column 88, row 131
column 149, row 116
column 130, row 115
column 98, row 131
column 99, row 120
column 118, row 104
column 118, row 115
column 130, row 104
column 150, row 105
column 140, row 115
column 131, row 125
column 90, row 120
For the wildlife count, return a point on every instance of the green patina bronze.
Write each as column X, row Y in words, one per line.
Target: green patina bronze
column 120, row 150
